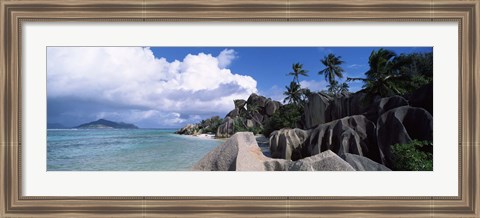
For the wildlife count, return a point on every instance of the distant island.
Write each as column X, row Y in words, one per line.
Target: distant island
column 106, row 124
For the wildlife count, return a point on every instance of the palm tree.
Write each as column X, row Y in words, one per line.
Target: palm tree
column 335, row 88
column 252, row 110
column 333, row 68
column 293, row 93
column 384, row 77
column 297, row 71
column 343, row 88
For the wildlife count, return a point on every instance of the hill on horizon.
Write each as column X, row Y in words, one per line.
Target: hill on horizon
column 106, row 124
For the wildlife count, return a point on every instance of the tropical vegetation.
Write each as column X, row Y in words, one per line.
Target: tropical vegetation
column 413, row 156
column 390, row 74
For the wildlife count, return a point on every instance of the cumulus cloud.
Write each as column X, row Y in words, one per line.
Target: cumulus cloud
column 131, row 84
column 226, row 57
column 314, row 85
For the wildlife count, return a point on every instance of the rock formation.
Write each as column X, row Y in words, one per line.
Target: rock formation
column 316, row 110
column 250, row 113
column 226, row 129
column 423, row 97
column 360, row 163
column 190, row 129
column 287, row 143
column 401, row 125
column 354, row 134
column 241, row 153
column 383, row 105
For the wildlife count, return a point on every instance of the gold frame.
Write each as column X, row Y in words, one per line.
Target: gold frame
column 14, row 12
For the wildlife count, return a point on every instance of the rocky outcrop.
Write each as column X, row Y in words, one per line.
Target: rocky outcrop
column 271, row 107
column 225, row 129
column 239, row 103
column 241, row 153
column 354, row 134
column 401, row 125
column 190, row 129
column 383, row 105
column 257, row 100
column 322, row 108
column 233, row 113
column 423, row 97
column 287, row 143
column 360, row 163
column 316, row 110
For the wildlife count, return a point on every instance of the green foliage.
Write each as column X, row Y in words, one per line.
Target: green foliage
column 413, row 156
column 332, row 67
column 240, row 126
column 392, row 74
column 210, row 125
column 334, row 88
column 288, row 116
column 297, row 71
column 293, row 94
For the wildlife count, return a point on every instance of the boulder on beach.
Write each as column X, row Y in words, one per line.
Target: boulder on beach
column 401, row 125
column 353, row 134
column 360, row 163
column 190, row 129
column 225, row 129
column 241, row 153
column 325, row 161
column 287, row 143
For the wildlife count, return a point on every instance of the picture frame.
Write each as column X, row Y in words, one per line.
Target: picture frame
column 14, row 13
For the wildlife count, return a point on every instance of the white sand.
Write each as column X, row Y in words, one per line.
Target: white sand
column 208, row 136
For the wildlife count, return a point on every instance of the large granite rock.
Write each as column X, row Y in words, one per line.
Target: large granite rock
column 190, row 129
column 315, row 110
column 259, row 101
column 225, row 130
column 233, row 113
column 383, row 105
column 360, row 163
column 423, row 97
column 239, row 103
column 325, row 161
column 353, row 134
column 322, row 108
column 401, row 125
column 271, row 107
column 286, row 143
column 241, row 153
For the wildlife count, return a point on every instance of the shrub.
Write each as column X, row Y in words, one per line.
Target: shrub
column 211, row 125
column 240, row 126
column 413, row 156
column 287, row 116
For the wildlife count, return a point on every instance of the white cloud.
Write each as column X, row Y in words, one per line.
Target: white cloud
column 356, row 66
column 314, row 85
column 134, row 77
column 225, row 58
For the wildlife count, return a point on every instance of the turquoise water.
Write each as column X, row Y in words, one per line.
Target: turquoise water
column 124, row 150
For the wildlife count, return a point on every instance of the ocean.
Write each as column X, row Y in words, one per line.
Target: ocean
column 124, row 150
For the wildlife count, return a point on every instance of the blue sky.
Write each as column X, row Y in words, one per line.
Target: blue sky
column 269, row 65
column 173, row 86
